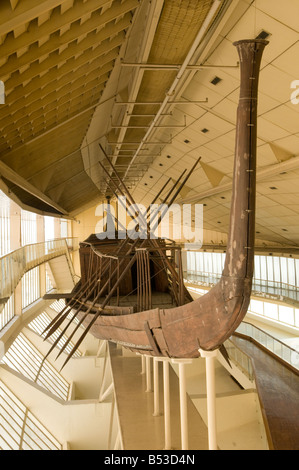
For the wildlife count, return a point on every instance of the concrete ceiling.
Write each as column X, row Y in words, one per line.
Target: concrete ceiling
column 72, row 81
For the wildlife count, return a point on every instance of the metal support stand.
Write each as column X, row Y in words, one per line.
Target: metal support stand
column 166, row 399
column 148, row 374
column 166, row 405
column 183, row 400
column 156, row 388
column 142, row 364
column 211, row 396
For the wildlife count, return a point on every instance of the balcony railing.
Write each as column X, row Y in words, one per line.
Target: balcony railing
column 14, row 265
column 240, row 359
column 273, row 345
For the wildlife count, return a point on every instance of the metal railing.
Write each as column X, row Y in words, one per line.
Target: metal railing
column 26, row 359
column 208, row 278
column 283, row 351
column 240, row 359
column 20, row 430
column 14, row 265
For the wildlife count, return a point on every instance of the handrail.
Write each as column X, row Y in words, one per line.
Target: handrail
column 240, row 358
column 267, row 282
column 14, row 265
column 277, row 347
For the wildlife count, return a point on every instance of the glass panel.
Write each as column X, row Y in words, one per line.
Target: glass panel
column 286, row 314
column 256, row 306
column 28, row 228
column 271, row 310
column 200, row 265
column 297, row 272
column 263, row 266
column 297, row 317
column 218, row 263
column 270, row 268
column 192, row 262
column 208, row 262
column 284, row 270
column 63, row 228
column 276, row 265
column 49, row 228
column 291, row 271
column 4, row 224
column 257, row 268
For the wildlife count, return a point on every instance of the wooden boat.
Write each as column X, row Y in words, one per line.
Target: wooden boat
column 132, row 291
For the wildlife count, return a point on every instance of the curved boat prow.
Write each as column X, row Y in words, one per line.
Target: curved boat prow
column 216, row 315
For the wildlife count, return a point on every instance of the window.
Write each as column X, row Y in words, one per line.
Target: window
column 4, row 224
column 49, row 228
column 63, row 228
column 256, row 306
column 286, row 314
column 284, row 270
column 28, row 228
column 276, row 266
column 30, row 287
column 271, row 310
column 291, row 271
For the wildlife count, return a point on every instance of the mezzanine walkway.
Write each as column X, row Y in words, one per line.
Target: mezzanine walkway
column 264, row 289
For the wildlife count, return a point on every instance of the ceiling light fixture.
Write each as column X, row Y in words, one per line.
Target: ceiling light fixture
column 216, row 80
column 263, row 35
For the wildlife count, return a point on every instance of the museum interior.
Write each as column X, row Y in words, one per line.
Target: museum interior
column 149, row 225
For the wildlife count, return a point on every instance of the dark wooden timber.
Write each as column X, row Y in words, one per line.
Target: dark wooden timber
column 205, row 323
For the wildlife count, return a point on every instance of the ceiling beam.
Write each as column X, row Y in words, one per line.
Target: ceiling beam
column 55, row 109
column 50, row 83
column 17, row 13
column 36, row 69
column 51, row 93
column 54, row 99
column 37, row 51
column 104, row 64
column 56, row 121
column 36, row 32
